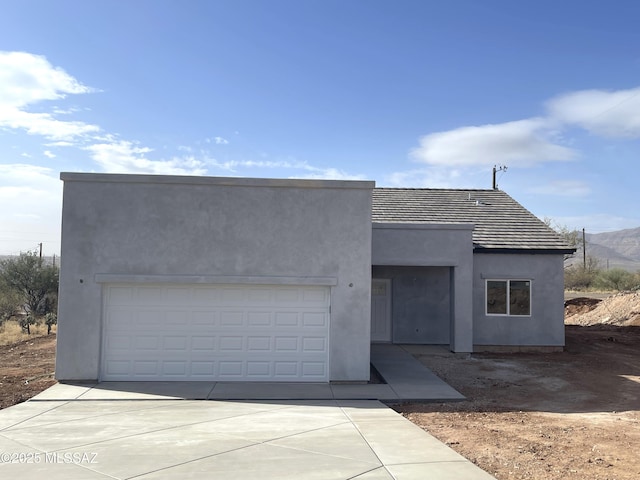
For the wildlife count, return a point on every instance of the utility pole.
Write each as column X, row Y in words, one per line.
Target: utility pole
column 497, row 168
column 40, row 250
column 584, row 251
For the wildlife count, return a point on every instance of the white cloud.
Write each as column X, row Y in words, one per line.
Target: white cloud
column 524, row 143
column 126, row 157
column 564, row 188
column 519, row 143
column 310, row 172
column 44, row 124
column 330, row 174
column 26, row 79
column 47, row 153
column 221, row 141
column 233, row 165
column 604, row 113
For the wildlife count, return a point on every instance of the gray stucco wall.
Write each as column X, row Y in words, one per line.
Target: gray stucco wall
column 421, row 303
column 212, row 228
column 433, row 245
column 545, row 326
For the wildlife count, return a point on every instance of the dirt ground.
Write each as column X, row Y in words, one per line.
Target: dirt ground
column 569, row 415
column 26, row 368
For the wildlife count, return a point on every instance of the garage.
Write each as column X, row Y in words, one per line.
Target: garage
column 214, row 279
column 215, row 332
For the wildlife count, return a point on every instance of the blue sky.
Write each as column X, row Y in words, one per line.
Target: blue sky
column 407, row 93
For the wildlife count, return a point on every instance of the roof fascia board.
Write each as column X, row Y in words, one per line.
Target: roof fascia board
column 530, row 251
column 221, row 181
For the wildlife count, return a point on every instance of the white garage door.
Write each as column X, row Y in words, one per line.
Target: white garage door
column 216, row 332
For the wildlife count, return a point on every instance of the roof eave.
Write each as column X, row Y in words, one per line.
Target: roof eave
column 523, row 250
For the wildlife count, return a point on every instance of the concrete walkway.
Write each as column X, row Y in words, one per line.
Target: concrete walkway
column 409, row 380
column 83, row 432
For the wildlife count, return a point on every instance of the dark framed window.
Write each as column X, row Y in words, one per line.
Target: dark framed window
column 508, row 297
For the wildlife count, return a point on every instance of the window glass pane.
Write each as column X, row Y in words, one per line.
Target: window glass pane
column 496, row 297
column 520, row 297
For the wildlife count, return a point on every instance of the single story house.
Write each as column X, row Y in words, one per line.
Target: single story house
column 241, row 279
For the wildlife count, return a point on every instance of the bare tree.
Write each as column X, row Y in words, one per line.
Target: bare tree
column 573, row 238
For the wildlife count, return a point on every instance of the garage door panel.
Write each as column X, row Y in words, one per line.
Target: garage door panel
column 203, row 344
column 231, row 343
column 178, row 369
column 204, row 318
column 313, row 369
column 202, row 369
column 145, row 343
column 314, row 344
column 178, row 343
column 259, row 344
column 314, row 319
column 232, row 318
column 286, row 319
column 286, row 295
column 259, row 319
column 117, row 367
column 146, row 368
column 233, row 296
column 259, row 369
column 205, row 296
column 231, row 368
column 178, row 295
column 216, row 333
column 148, row 319
column 179, row 317
column 118, row 316
column 150, row 295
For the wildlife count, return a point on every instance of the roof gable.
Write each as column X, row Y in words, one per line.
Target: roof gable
column 500, row 222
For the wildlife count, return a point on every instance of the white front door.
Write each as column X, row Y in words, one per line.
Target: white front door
column 216, row 333
column 380, row 310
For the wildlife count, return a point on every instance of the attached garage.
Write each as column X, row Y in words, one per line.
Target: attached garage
column 175, row 278
column 216, row 332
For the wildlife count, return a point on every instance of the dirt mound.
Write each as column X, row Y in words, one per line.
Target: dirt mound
column 622, row 309
column 580, row 305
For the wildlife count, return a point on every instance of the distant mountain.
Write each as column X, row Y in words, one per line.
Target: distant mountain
column 619, row 249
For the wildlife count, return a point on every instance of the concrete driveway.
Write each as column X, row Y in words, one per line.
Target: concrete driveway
column 82, row 432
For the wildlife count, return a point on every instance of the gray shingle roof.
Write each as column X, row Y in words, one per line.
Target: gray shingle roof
column 500, row 222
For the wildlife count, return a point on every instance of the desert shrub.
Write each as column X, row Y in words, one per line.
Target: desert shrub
column 9, row 304
column 617, row 279
column 26, row 322
column 50, row 320
column 577, row 278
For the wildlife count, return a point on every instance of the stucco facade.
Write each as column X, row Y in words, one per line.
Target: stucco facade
column 137, row 229
column 298, row 257
column 545, row 325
